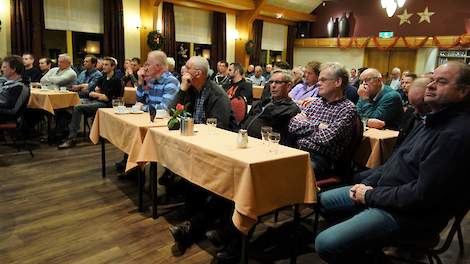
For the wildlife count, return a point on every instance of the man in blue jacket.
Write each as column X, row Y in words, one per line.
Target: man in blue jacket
column 418, row 189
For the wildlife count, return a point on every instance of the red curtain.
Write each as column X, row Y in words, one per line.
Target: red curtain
column 257, row 36
column 113, row 29
column 27, row 27
column 218, row 39
column 169, row 42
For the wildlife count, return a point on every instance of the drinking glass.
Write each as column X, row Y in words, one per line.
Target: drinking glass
column 265, row 130
column 116, row 103
column 274, row 139
column 212, row 124
column 364, row 121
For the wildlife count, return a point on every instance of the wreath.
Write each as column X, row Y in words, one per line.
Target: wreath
column 249, row 47
column 155, row 40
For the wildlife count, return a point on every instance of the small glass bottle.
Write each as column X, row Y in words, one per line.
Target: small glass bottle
column 242, row 139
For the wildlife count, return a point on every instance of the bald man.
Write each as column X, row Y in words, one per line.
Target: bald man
column 63, row 75
column 378, row 101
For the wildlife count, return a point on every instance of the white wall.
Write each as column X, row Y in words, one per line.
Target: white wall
column 426, row 60
column 351, row 58
column 131, row 33
column 231, row 35
column 5, row 36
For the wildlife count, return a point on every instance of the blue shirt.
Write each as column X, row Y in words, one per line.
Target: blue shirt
column 90, row 77
column 160, row 93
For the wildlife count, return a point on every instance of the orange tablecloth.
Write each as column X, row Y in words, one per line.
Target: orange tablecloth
column 255, row 179
column 376, row 147
column 257, row 91
column 129, row 95
column 49, row 100
column 126, row 132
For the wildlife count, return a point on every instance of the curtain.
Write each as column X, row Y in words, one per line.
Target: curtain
column 169, row 43
column 113, row 36
column 291, row 35
column 27, row 27
column 257, row 37
column 218, row 39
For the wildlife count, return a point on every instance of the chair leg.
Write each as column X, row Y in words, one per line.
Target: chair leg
column 316, row 207
column 460, row 237
column 276, row 215
column 431, row 261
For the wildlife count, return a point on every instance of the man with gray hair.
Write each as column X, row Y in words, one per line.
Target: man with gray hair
column 63, row 75
column 394, row 81
column 257, row 78
column 324, row 128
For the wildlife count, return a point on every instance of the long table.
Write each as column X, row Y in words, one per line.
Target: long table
column 50, row 100
column 257, row 180
column 376, row 147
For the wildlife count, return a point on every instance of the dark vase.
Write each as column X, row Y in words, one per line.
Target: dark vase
column 330, row 27
column 343, row 26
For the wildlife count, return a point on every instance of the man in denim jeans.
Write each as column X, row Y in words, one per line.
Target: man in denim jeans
column 418, row 189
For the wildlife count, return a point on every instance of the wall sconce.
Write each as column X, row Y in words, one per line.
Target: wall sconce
column 233, row 34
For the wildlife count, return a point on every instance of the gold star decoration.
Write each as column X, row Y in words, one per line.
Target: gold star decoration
column 425, row 15
column 405, row 17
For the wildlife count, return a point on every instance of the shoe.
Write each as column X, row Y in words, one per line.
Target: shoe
column 231, row 253
column 220, row 236
column 166, row 178
column 69, row 143
column 120, row 165
column 182, row 234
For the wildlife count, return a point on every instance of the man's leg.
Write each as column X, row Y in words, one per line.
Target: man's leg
column 348, row 240
column 321, row 165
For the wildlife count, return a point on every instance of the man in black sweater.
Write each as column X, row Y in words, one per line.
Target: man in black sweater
column 418, row 189
column 10, row 86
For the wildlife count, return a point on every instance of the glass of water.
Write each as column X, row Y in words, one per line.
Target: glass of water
column 211, row 124
column 364, row 120
column 265, row 130
column 274, row 139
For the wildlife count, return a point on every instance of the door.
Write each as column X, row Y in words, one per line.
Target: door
column 385, row 61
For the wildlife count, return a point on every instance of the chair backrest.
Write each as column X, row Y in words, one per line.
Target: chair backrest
column 344, row 165
column 239, row 108
column 20, row 105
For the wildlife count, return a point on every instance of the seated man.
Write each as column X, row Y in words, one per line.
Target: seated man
column 31, row 74
column 275, row 111
column 107, row 88
column 130, row 76
column 378, row 101
column 405, row 86
column 86, row 81
column 63, row 75
column 239, row 86
column 10, row 86
column 206, row 100
column 45, row 64
column 222, row 78
column 257, row 78
column 418, row 189
column 324, row 128
column 309, row 88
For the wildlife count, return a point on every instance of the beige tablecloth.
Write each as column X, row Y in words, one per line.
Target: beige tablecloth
column 50, row 100
column 376, row 147
column 255, row 179
column 257, row 91
column 129, row 95
column 126, row 132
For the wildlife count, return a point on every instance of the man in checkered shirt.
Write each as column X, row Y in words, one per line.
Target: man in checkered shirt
column 324, row 128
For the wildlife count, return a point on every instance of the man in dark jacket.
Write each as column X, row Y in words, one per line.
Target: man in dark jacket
column 275, row 111
column 418, row 189
column 10, row 85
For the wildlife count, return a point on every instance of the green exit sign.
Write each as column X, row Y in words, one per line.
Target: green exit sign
column 386, row 34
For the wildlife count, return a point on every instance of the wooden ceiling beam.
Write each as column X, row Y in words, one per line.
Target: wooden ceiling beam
column 259, row 4
column 288, row 14
column 198, row 5
column 237, row 4
column 276, row 21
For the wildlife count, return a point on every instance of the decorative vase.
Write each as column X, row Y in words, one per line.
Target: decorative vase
column 173, row 123
column 330, row 27
column 343, row 26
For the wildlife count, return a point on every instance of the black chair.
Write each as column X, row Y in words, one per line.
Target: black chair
column 14, row 124
column 429, row 245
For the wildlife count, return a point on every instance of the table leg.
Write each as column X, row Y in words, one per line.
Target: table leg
column 141, row 183
column 103, row 158
column 293, row 256
column 153, row 187
column 49, row 120
column 245, row 242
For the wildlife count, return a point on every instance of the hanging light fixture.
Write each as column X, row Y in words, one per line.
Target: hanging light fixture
column 392, row 5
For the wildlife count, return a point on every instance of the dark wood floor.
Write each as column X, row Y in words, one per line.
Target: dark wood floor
column 56, row 208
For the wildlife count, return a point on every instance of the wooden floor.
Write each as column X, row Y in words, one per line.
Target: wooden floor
column 56, row 208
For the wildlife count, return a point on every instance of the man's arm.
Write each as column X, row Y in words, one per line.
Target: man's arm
column 338, row 129
column 387, row 110
column 66, row 78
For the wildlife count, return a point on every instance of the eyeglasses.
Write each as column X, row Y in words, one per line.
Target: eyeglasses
column 325, row 79
column 277, row 82
column 368, row 80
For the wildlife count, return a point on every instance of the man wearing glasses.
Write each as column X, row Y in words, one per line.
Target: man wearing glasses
column 418, row 189
column 324, row 128
column 378, row 101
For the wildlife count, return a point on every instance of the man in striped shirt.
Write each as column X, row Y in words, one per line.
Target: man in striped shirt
column 324, row 128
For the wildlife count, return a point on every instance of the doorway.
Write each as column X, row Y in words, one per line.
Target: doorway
column 385, row 61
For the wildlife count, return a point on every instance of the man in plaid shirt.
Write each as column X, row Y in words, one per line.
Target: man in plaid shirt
column 324, row 128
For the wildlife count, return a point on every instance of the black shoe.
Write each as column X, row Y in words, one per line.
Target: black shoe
column 182, row 234
column 221, row 236
column 167, row 178
column 120, row 165
column 69, row 143
column 231, row 253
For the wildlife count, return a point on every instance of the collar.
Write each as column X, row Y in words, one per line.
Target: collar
column 447, row 112
column 377, row 96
